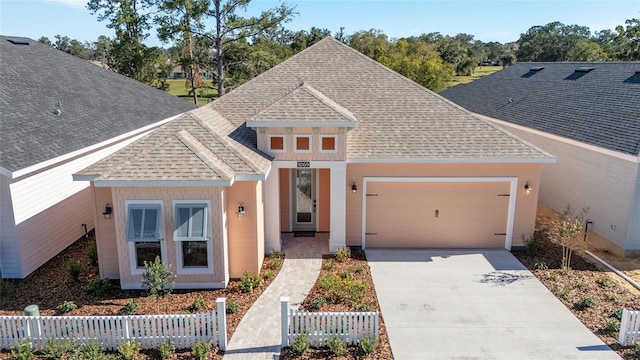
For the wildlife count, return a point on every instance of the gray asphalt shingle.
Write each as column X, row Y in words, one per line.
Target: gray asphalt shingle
column 96, row 103
column 600, row 107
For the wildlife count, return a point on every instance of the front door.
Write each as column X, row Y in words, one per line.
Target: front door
column 304, row 199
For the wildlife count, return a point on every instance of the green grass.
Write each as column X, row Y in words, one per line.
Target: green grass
column 177, row 88
column 479, row 72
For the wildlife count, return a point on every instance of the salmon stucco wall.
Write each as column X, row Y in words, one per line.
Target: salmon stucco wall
column 246, row 233
column 324, row 195
column 167, row 195
column 526, row 204
column 105, row 235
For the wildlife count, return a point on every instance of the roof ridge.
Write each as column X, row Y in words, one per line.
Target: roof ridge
column 227, row 143
column 128, row 162
column 334, row 105
column 204, row 154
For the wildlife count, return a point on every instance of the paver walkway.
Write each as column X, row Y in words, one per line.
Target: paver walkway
column 258, row 335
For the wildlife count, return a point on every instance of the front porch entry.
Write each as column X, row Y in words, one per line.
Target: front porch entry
column 308, row 196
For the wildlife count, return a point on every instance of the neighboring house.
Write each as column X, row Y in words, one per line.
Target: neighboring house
column 327, row 141
column 586, row 114
column 59, row 114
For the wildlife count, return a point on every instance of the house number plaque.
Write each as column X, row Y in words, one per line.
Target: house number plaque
column 304, row 164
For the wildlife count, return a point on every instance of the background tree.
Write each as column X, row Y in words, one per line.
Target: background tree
column 587, row 50
column 552, row 42
column 131, row 20
column 628, row 39
column 373, row 43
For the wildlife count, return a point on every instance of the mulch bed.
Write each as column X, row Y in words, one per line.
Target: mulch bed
column 584, row 280
column 51, row 285
column 357, row 268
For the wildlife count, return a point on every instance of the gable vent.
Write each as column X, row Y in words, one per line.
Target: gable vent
column 18, row 42
column 536, row 68
column 584, row 69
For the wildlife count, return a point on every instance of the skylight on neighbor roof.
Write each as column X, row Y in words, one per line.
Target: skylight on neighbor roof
column 18, row 42
column 536, row 68
column 584, row 69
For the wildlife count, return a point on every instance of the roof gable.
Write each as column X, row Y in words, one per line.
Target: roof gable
column 596, row 103
column 54, row 103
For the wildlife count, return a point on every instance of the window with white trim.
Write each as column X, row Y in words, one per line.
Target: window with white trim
column 143, row 234
column 302, row 143
column 191, row 235
column 328, row 143
column 276, row 143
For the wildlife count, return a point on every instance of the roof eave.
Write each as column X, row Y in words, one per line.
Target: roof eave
column 319, row 124
column 475, row 160
column 163, row 183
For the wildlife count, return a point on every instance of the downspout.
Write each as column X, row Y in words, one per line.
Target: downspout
column 586, row 228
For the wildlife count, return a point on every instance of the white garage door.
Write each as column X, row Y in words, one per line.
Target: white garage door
column 437, row 214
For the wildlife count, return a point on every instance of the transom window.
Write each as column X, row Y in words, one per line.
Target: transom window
column 191, row 235
column 276, row 143
column 143, row 233
column 328, row 143
column 302, row 143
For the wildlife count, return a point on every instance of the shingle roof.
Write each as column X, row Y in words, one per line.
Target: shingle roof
column 599, row 107
column 96, row 104
column 397, row 118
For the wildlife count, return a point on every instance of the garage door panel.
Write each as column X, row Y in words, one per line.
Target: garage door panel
column 438, row 215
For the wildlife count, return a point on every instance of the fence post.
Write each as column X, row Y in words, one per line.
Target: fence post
column 221, row 314
column 284, row 320
column 624, row 325
column 33, row 324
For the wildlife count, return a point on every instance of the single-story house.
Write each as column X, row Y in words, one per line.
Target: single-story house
column 59, row 115
column 327, row 141
column 588, row 115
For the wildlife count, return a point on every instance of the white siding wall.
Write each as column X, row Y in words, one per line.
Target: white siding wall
column 634, row 228
column 585, row 178
column 9, row 264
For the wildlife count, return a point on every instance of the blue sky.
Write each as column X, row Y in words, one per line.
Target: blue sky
column 501, row 21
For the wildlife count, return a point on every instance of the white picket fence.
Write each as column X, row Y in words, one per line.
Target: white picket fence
column 148, row 330
column 629, row 328
column 319, row 326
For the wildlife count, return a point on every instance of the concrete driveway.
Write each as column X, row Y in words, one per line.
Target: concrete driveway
column 475, row 304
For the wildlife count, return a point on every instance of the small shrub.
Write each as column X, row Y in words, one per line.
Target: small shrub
column 275, row 264
column 617, row 314
column 365, row 308
column 90, row 351
column 97, row 286
column 584, row 303
column 540, row 265
column 552, row 276
column 73, row 269
column 564, row 293
column 129, row 349
column 268, row 275
column 581, row 284
column 329, row 281
column 330, row 264
column 532, row 245
column 358, row 254
column 249, row 282
column 368, row 344
column 201, row 349
column 158, row 280
column 198, row 304
column 336, row 345
column 613, row 298
column 6, row 288
column 604, row 280
column 93, row 253
column 273, row 255
column 166, row 349
column 130, row 307
column 300, row 344
column 233, row 305
column 66, row 307
column 345, row 275
column 638, row 347
column 318, row 303
column 342, row 254
column 359, row 269
column 57, row 349
column 612, row 325
column 22, row 351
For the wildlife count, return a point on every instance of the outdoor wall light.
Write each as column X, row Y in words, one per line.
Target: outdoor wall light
column 241, row 211
column 354, row 188
column 108, row 210
column 528, row 187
